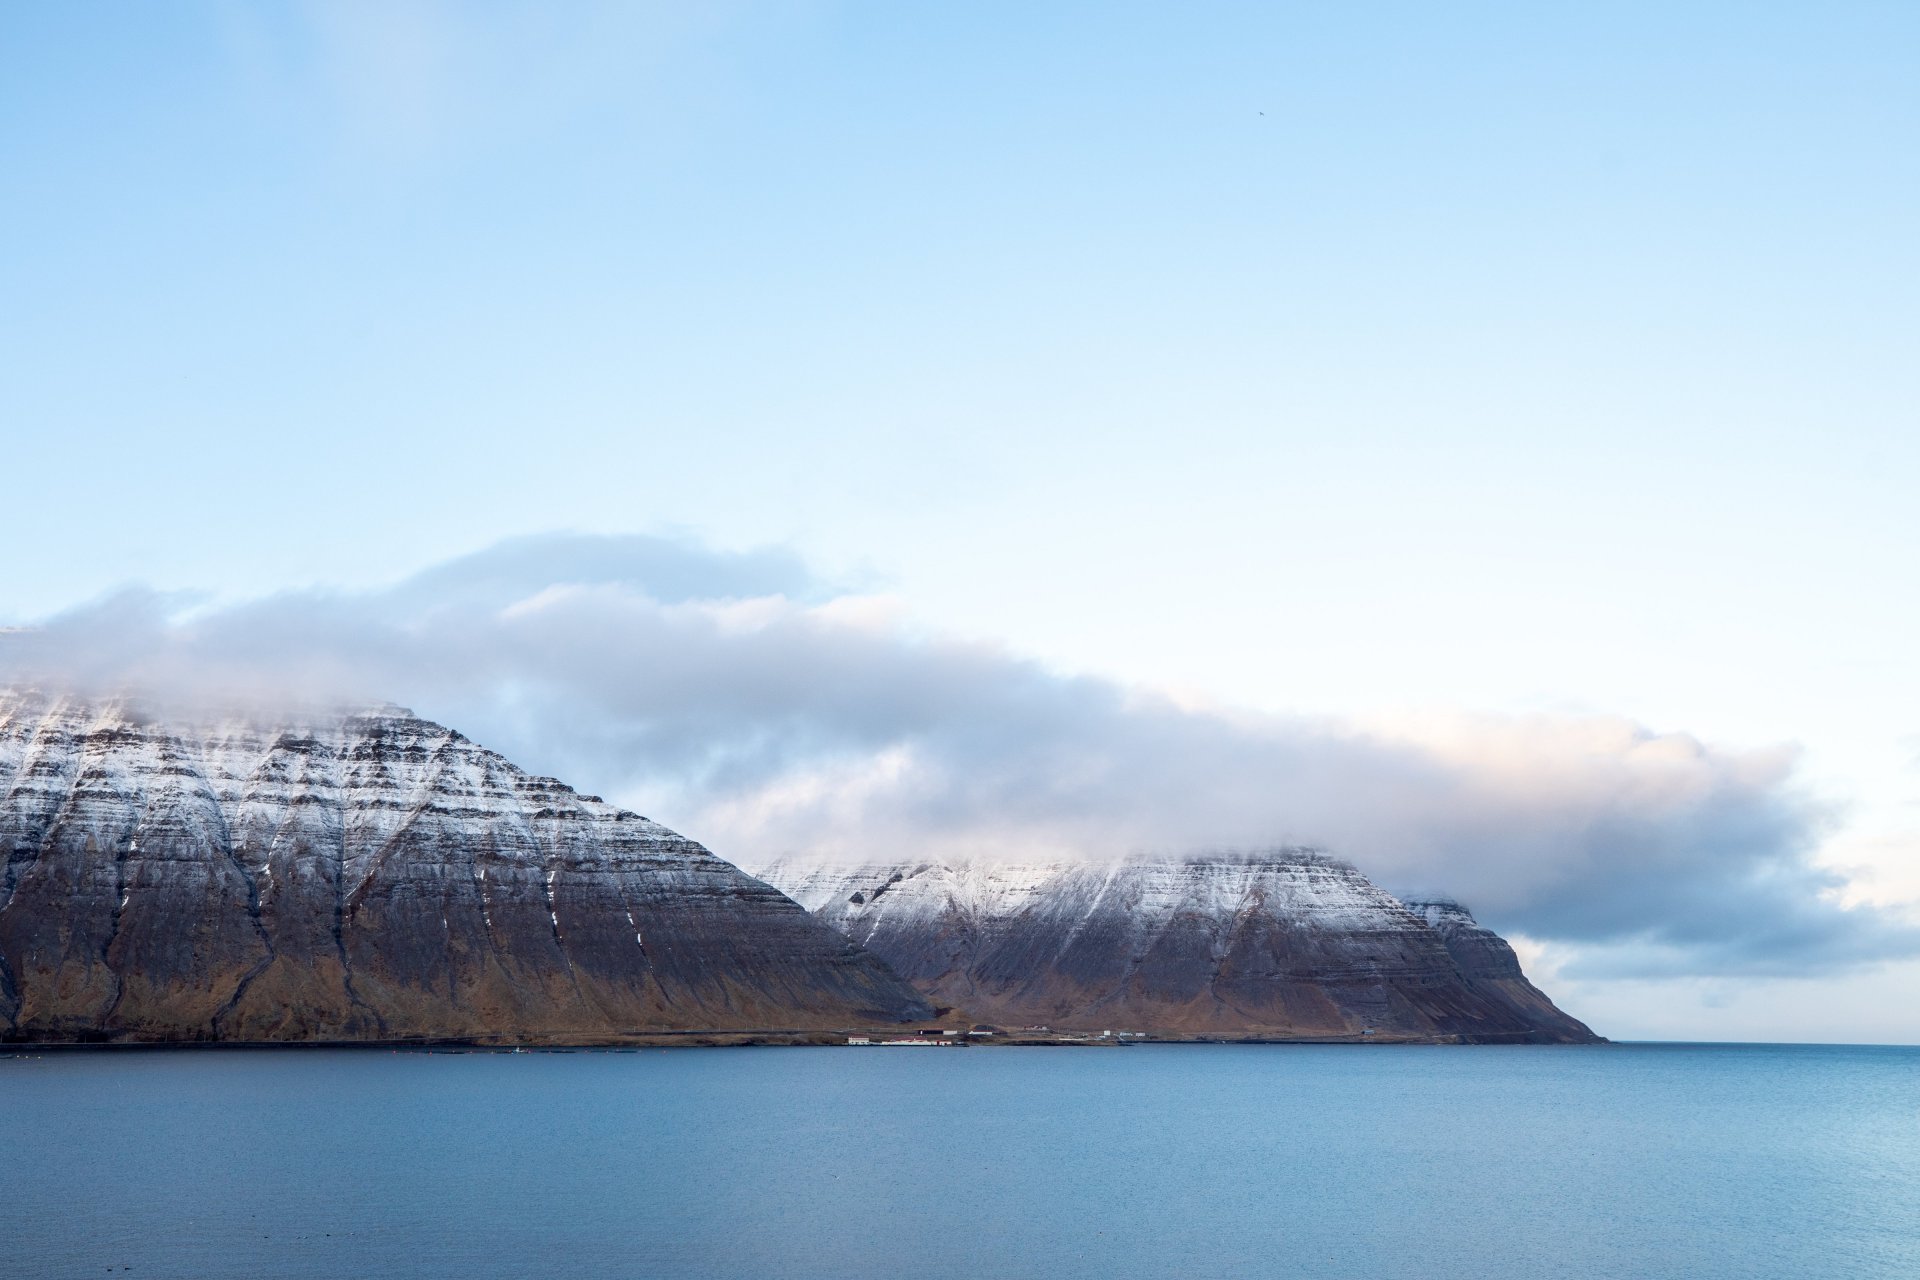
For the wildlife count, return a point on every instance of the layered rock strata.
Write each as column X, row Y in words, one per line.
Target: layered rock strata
column 1284, row 945
column 371, row 877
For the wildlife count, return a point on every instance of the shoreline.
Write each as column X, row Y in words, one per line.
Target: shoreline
column 757, row 1039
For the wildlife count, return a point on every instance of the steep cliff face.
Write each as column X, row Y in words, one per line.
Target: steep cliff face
column 1487, row 961
column 1285, row 944
column 361, row 877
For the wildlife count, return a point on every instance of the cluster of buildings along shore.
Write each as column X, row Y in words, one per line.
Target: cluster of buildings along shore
column 942, row 1037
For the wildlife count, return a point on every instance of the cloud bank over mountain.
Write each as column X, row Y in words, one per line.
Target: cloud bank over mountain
column 742, row 699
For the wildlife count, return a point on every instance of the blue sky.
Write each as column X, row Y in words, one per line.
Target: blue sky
column 1388, row 364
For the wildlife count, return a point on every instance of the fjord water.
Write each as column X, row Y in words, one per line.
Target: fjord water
column 1204, row 1160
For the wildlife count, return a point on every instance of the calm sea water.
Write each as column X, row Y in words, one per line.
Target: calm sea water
column 1192, row 1161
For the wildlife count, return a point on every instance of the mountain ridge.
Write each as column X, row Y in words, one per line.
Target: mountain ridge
column 345, row 877
column 341, row 876
column 1284, row 944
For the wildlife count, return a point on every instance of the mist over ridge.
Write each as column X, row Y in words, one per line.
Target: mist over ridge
column 771, row 714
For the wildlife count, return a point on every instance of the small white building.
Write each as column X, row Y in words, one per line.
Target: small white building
column 859, row 1040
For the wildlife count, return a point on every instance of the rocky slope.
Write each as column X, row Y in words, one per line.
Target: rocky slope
column 1288, row 944
column 367, row 877
column 1484, row 959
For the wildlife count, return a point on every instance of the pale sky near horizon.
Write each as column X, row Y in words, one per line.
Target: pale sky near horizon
column 1376, row 364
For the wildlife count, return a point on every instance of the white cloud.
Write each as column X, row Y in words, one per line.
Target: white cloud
column 766, row 713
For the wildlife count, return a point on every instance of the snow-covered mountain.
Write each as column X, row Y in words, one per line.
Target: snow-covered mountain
column 378, row 876
column 1287, row 943
column 370, row 876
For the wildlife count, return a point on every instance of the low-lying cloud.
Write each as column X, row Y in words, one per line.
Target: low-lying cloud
column 742, row 700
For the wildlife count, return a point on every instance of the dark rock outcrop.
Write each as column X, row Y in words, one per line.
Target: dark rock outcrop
column 1487, row 961
column 1284, row 945
column 371, row 877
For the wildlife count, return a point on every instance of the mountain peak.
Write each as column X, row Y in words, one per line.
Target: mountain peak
column 344, row 876
column 1285, row 943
